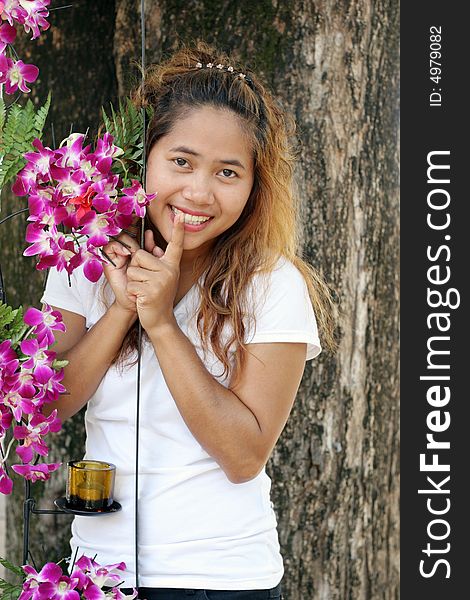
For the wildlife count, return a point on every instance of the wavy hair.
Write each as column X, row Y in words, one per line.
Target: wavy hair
column 267, row 228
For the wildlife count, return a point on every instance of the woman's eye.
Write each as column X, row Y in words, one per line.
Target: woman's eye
column 181, row 162
column 228, row 173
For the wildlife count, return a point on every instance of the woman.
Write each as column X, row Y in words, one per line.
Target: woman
column 228, row 310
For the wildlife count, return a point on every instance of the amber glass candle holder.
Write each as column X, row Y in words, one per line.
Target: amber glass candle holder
column 90, row 485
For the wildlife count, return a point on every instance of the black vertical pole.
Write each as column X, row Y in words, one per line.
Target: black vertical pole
column 27, row 506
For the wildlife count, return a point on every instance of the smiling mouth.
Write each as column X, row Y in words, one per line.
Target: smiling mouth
column 190, row 219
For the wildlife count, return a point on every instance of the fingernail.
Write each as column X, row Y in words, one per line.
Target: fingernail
column 126, row 251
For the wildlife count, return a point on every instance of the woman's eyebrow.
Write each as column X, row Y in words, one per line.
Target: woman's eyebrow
column 231, row 161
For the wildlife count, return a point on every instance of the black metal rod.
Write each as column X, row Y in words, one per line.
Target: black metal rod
column 26, row 517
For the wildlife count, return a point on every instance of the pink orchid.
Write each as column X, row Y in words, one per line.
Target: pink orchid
column 62, row 590
column 7, row 35
column 6, row 418
column 44, row 322
column 98, row 227
column 50, row 573
column 18, row 405
column 92, row 264
column 8, row 363
column 44, row 240
column 71, row 152
column 52, row 388
column 32, row 435
column 35, row 18
column 134, row 200
column 100, row 574
column 16, row 75
column 34, row 473
column 40, row 359
column 13, row 11
column 6, row 484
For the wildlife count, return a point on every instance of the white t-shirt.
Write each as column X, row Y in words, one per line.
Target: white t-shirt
column 196, row 528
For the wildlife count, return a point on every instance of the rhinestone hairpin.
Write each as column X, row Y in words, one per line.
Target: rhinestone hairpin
column 221, row 67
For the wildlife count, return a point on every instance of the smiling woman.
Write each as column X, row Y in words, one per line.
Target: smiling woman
column 186, row 170
column 224, row 299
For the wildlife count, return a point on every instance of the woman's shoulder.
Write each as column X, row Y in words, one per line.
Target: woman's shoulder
column 281, row 271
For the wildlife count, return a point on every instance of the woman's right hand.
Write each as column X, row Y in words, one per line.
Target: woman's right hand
column 117, row 275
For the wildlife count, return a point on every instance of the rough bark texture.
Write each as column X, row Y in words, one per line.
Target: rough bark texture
column 334, row 65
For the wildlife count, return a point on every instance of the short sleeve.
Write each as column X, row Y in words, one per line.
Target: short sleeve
column 283, row 309
column 74, row 294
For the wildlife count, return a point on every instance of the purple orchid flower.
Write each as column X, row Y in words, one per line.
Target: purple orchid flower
column 44, row 322
column 7, row 35
column 6, row 484
column 50, row 573
column 134, row 200
column 18, row 405
column 51, row 387
column 35, row 18
column 92, row 264
column 104, row 153
column 34, row 473
column 71, row 152
column 6, row 419
column 32, row 435
column 98, row 227
column 100, row 575
column 40, row 357
column 42, row 159
column 8, row 361
column 61, row 590
column 12, row 11
column 16, row 75
column 26, row 178
column 43, row 241
column 24, row 384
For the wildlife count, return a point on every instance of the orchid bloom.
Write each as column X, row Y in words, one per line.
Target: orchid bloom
column 6, row 484
column 34, row 473
column 12, row 11
column 33, row 433
column 50, row 573
column 16, row 75
column 35, row 17
column 134, row 200
column 7, row 35
column 44, row 322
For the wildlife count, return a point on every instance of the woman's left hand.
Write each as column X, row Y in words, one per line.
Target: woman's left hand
column 153, row 277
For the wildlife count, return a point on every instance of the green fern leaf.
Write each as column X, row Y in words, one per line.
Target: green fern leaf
column 11, row 567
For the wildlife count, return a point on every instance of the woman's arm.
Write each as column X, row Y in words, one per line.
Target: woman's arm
column 89, row 354
column 239, row 426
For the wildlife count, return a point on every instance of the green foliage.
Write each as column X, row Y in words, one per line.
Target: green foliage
column 10, row 591
column 12, row 326
column 18, row 130
column 126, row 126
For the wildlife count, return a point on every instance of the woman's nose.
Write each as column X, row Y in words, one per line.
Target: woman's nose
column 199, row 191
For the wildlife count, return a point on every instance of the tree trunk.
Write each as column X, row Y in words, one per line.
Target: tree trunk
column 334, row 66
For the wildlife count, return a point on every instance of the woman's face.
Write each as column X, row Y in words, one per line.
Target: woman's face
column 204, row 167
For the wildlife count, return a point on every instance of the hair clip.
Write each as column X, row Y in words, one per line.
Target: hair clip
column 229, row 69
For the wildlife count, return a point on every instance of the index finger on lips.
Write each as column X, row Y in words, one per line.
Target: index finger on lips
column 174, row 250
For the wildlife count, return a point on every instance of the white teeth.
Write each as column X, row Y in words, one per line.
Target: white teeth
column 189, row 218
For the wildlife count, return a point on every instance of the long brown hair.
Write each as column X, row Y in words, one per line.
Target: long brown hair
column 267, row 228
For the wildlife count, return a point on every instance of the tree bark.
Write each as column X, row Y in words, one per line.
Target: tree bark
column 334, row 66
